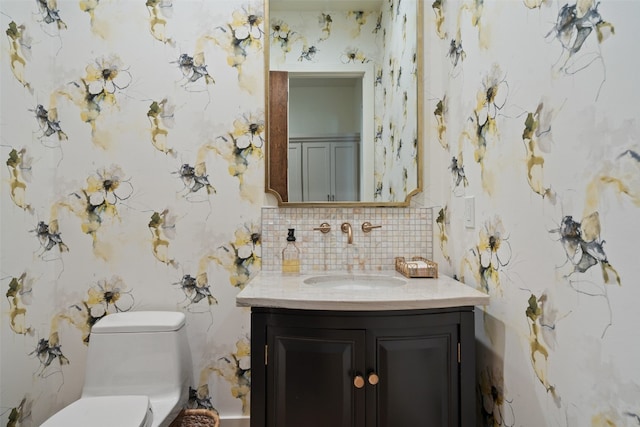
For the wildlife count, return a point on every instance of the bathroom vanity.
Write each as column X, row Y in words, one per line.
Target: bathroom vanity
column 370, row 350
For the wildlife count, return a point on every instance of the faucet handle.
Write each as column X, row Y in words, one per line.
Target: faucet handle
column 324, row 228
column 367, row 226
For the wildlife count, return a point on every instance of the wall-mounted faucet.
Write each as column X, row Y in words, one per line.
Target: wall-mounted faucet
column 346, row 228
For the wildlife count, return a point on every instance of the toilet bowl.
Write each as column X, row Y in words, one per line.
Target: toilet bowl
column 137, row 374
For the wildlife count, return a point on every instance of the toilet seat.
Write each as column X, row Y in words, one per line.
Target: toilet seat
column 104, row 411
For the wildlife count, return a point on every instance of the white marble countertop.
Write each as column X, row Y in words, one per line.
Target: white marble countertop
column 273, row 289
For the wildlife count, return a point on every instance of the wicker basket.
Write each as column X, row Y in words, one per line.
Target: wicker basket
column 417, row 267
column 196, row 418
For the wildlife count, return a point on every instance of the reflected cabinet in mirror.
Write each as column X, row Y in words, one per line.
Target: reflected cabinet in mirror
column 344, row 97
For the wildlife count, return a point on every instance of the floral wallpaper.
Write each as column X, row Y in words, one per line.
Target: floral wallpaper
column 532, row 112
column 132, row 134
column 395, row 163
column 384, row 37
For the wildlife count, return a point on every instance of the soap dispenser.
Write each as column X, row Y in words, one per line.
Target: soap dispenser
column 291, row 255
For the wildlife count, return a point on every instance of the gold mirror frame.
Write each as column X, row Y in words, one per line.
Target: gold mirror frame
column 276, row 164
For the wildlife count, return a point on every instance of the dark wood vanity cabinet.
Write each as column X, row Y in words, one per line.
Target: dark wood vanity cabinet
column 409, row 368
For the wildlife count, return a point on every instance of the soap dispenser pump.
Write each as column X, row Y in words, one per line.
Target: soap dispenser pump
column 291, row 255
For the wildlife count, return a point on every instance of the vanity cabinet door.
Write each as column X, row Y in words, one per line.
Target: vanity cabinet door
column 315, row 377
column 417, row 373
column 414, row 368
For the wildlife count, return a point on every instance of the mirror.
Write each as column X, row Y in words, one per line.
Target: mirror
column 344, row 97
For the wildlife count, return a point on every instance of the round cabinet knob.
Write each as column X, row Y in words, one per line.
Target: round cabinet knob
column 373, row 379
column 358, row 381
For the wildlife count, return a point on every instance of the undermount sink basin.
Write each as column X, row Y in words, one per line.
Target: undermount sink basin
column 355, row 281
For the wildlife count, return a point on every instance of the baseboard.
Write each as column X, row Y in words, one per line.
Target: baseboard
column 234, row 422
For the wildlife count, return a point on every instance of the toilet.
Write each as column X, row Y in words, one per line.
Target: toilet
column 138, row 372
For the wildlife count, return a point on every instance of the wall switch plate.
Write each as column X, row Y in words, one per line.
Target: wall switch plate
column 469, row 212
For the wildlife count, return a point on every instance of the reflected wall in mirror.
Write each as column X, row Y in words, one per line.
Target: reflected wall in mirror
column 344, row 100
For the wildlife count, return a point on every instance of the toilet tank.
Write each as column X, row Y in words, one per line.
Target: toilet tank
column 144, row 352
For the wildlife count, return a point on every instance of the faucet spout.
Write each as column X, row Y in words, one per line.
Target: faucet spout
column 346, row 228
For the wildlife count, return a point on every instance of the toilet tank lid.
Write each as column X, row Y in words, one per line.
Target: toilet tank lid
column 140, row 321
